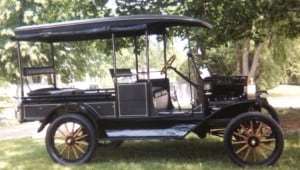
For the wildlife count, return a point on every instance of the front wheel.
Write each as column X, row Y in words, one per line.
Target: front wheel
column 253, row 139
column 71, row 139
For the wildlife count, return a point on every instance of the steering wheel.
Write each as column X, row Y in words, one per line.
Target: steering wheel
column 168, row 64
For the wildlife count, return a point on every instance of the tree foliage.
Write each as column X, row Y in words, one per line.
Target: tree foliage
column 28, row 12
column 253, row 29
column 293, row 64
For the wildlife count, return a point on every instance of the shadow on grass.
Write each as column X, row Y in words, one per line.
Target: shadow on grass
column 187, row 150
column 190, row 153
column 23, row 154
column 170, row 154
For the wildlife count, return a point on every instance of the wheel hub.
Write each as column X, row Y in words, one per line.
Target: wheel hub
column 253, row 141
column 70, row 141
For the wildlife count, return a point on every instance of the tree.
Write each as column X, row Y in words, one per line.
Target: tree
column 28, row 12
column 250, row 27
column 127, row 7
column 293, row 66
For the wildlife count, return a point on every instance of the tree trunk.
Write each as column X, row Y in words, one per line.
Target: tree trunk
column 245, row 50
column 238, row 48
column 255, row 60
column 245, row 56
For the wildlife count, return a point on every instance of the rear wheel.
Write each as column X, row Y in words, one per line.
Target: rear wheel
column 253, row 139
column 71, row 139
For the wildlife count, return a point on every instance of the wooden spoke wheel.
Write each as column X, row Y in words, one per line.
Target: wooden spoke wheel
column 71, row 139
column 253, row 139
column 168, row 64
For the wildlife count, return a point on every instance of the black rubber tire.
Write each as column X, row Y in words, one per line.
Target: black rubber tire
column 267, row 109
column 272, row 142
column 88, row 139
column 270, row 110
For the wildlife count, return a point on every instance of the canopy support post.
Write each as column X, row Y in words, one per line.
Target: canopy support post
column 147, row 54
column 53, row 65
column 165, row 52
column 115, row 79
column 114, row 56
column 136, row 58
column 20, row 62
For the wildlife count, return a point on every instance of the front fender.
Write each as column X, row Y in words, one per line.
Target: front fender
column 221, row 117
column 233, row 110
column 271, row 110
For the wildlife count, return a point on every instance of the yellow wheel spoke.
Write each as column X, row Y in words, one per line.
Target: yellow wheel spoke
column 78, row 130
column 247, row 154
column 73, row 127
column 82, row 143
column 58, row 145
column 251, row 128
column 62, row 133
column 263, row 130
column 266, row 131
column 267, row 147
column 240, row 135
column 259, row 129
column 254, row 155
column 242, row 148
column 63, row 149
column 267, row 140
column 75, row 152
column 68, row 132
column 244, row 129
column 80, row 137
column 79, row 148
column 261, row 152
column 238, row 142
column 68, row 148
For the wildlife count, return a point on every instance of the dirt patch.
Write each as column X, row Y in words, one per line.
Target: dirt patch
column 290, row 119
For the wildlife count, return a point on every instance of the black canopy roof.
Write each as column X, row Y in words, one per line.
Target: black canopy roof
column 103, row 28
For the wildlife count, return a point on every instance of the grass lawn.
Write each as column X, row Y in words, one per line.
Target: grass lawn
column 191, row 153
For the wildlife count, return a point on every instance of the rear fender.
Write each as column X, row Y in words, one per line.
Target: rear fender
column 82, row 109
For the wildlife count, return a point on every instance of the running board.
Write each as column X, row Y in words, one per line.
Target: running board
column 175, row 132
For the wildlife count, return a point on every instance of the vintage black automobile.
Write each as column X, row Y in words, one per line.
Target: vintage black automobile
column 142, row 109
